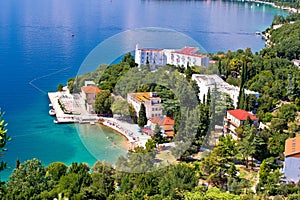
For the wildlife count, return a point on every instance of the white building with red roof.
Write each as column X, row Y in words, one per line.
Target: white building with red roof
column 236, row 118
column 177, row 57
column 187, row 56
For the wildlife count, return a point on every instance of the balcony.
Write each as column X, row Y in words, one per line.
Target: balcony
column 229, row 122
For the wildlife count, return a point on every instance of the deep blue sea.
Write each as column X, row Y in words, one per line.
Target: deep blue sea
column 37, row 52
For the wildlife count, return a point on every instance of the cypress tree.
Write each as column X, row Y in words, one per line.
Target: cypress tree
column 220, row 66
column 142, row 120
column 241, row 99
column 245, row 101
column 208, row 98
column 196, row 89
column 243, row 75
column 188, row 72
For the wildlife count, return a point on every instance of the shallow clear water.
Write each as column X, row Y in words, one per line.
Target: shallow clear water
column 37, row 53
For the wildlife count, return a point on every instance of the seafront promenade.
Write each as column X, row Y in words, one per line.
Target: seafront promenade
column 61, row 117
column 73, row 105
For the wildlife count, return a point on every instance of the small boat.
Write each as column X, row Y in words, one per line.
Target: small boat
column 92, row 123
column 73, row 34
column 50, row 105
column 55, row 121
column 257, row 33
column 52, row 112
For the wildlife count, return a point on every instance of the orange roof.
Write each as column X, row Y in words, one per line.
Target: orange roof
column 292, row 146
column 242, row 114
column 168, row 121
column 169, row 133
column 90, row 89
column 168, row 128
column 162, row 121
column 143, row 96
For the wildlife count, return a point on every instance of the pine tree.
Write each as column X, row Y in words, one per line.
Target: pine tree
column 142, row 120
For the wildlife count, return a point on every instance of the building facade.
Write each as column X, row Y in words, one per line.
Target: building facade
column 151, row 101
column 187, row 56
column 291, row 167
column 89, row 94
column 235, row 119
column 182, row 57
column 166, row 125
column 209, row 82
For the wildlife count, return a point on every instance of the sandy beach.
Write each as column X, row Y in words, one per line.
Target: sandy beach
column 129, row 131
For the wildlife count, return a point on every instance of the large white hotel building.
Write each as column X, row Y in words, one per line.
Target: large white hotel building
column 206, row 82
column 181, row 57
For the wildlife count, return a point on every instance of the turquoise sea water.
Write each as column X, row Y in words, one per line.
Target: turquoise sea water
column 37, row 53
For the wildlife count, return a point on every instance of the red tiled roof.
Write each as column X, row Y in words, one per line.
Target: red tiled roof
column 190, row 51
column 292, row 146
column 169, row 133
column 90, row 89
column 162, row 121
column 242, row 114
column 168, row 127
column 168, row 121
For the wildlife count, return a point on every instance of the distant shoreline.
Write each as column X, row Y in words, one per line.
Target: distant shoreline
column 291, row 10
